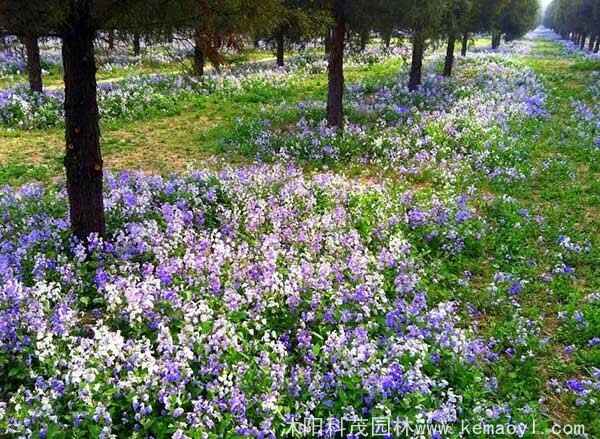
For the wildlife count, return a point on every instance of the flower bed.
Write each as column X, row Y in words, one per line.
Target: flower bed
column 236, row 302
column 447, row 125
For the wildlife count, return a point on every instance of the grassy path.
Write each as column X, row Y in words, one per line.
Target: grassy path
column 562, row 191
column 569, row 197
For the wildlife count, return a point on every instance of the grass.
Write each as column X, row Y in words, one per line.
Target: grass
column 166, row 144
column 567, row 195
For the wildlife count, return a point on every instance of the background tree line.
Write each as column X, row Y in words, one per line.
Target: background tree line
column 578, row 20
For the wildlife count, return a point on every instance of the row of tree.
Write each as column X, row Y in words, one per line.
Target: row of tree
column 214, row 24
column 578, row 20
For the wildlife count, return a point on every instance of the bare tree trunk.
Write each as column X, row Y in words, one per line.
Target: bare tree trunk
column 417, row 62
column 449, row 56
column 496, row 40
column 364, row 40
column 111, row 39
column 199, row 61
column 280, row 39
column 591, row 44
column 34, row 63
column 335, row 95
column 327, row 42
column 597, row 45
column 582, row 43
column 465, row 44
column 387, row 38
column 136, row 44
column 83, row 159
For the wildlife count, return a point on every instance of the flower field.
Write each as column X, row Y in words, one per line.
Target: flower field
column 435, row 264
column 138, row 95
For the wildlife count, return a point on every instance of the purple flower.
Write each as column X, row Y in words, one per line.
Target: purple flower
column 304, row 339
column 576, row 386
column 417, row 218
column 171, row 372
column 515, row 288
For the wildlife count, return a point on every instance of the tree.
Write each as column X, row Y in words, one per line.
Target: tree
column 11, row 24
column 297, row 20
column 225, row 23
column 422, row 19
column 491, row 19
column 83, row 158
column 77, row 23
column 335, row 93
column 455, row 22
column 473, row 22
column 519, row 17
column 576, row 19
column 137, row 44
column 345, row 16
column 509, row 18
column 34, row 62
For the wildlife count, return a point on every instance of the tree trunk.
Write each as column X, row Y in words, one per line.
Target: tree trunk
column 199, row 61
column 449, row 56
column 34, row 64
column 83, row 159
column 136, row 44
column 387, row 39
column 582, row 43
column 496, row 40
column 465, row 44
column 417, row 62
column 327, row 42
column 597, row 45
column 364, row 40
column 592, row 41
column 280, row 39
column 335, row 95
column 111, row 39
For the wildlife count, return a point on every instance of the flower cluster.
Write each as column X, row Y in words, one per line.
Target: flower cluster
column 586, row 120
column 11, row 63
column 445, row 126
column 136, row 96
column 586, row 391
column 231, row 303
